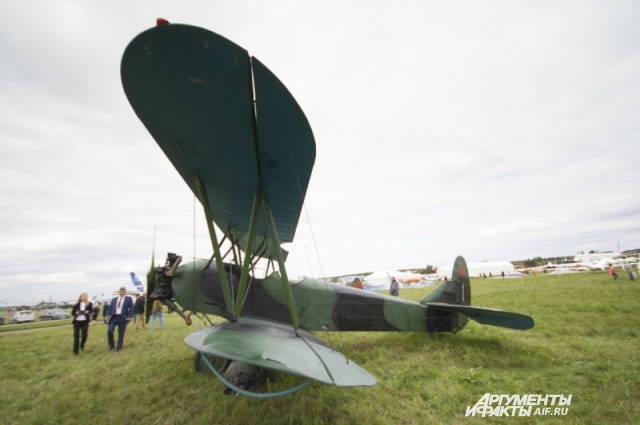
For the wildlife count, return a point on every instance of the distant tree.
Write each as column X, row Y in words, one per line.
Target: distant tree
column 426, row 270
column 533, row 262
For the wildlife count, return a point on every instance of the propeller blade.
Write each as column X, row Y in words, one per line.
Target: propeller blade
column 151, row 279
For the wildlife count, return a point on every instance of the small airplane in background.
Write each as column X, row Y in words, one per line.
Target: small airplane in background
column 244, row 147
column 569, row 266
column 604, row 263
column 592, row 257
column 596, row 260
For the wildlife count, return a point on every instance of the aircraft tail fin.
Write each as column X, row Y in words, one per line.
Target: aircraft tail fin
column 456, row 291
column 449, row 306
column 136, row 282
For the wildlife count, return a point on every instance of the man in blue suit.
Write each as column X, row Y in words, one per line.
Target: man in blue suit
column 120, row 313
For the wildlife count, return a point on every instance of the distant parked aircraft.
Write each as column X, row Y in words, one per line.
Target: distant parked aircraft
column 136, row 282
column 582, row 257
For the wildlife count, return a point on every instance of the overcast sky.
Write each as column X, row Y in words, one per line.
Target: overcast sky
column 494, row 130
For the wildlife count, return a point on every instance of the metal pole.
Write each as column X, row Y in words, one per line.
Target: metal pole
column 228, row 301
column 247, row 256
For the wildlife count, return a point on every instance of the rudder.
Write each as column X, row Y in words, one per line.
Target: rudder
column 456, row 291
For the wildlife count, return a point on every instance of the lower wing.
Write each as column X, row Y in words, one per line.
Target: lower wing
column 276, row 346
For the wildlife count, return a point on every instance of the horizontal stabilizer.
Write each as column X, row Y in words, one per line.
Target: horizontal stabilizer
column 276, row 346
column 488, row 316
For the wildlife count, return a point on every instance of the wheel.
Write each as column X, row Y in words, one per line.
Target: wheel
column 221, row 364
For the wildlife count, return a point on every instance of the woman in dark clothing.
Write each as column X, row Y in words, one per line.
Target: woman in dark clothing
column 81, row 313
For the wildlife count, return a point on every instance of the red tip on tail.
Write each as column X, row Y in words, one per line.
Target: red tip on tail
column 161, row 21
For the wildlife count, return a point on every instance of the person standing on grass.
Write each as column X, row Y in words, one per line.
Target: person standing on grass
column 120, row 314
column 627, row 268
column 95, row 312
column 105, row 312
column 156, row 311
column 394, row 289
column 81, row 313
column 612, row 272
column 139, row 310
column 135, row 303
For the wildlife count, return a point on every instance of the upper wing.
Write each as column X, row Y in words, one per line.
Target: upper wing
column 275, row 346
column 194, row 91
column 488, row 316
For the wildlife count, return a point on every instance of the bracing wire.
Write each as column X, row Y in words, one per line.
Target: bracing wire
column 194, row 240
column 304, row 244
column 247, row 290
column 203, row 316
column 308, row 219
column 198, row 321
column 304, row 207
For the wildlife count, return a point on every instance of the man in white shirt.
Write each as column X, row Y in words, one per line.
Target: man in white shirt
column 120, row 315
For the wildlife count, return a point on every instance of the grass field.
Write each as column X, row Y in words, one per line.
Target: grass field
column 35, row 325
column 585, row 343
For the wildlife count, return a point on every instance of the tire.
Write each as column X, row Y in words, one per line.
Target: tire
column 221, row 364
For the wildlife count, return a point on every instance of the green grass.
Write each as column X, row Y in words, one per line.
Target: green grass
column 585, row 343
column 35, row 325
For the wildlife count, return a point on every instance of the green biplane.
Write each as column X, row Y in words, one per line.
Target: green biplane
column 244, row 147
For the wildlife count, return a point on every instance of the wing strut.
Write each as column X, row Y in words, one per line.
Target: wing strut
column 247, row 257
column 228, row 301
column 283, row 272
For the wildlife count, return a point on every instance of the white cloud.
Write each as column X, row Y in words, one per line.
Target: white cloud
column 496, row 130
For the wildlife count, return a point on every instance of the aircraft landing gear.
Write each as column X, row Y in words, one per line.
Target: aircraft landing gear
column 239, row 377
column 219, row 363
column 243, row 375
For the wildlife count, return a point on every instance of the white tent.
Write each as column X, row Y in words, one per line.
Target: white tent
column 381, row 279
column 495, row 268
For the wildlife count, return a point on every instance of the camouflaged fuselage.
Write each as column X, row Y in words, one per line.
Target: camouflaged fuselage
column 320, row 305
